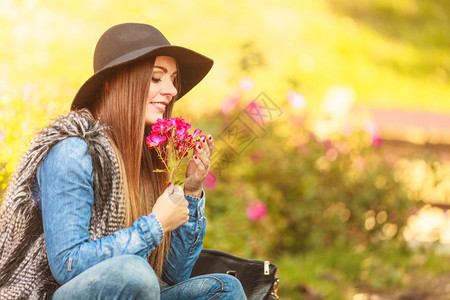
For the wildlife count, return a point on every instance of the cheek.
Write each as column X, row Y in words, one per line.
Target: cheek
column 152, row 92
column 150, row 115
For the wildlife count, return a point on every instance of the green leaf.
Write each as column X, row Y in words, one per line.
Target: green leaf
column 178, row 182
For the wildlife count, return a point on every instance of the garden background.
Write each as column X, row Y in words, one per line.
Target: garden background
column 331, row 121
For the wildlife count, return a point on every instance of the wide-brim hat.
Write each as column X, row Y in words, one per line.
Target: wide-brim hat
column 132, row 42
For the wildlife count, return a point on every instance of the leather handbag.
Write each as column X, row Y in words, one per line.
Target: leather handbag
column 257, row 277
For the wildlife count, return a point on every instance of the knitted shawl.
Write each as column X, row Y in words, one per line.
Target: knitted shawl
column 24, row 269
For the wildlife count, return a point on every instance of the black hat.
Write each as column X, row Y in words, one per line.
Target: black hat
column 130, row 42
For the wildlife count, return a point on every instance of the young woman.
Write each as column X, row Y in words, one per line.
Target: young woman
column 84, row 215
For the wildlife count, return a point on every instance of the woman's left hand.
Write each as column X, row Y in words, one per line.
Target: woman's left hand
column 198, row 166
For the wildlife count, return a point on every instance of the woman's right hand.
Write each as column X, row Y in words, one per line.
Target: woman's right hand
column 170, row 215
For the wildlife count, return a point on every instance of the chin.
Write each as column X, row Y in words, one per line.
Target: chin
column 152, row 121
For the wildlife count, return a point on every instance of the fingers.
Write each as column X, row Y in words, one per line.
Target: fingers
column 200, row 158
column 199, row 164
column 203, row 150
column 171, row 211
column 178, row 197
column 170, row 189
column 205, row 143
column 210, row 141
column 202, row 163
column 178, row 189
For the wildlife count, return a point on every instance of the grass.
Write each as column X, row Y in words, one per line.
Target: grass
column 341, row 273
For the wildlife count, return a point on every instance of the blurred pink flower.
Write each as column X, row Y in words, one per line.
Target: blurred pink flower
column 303, row 150
column 254, row 107
column 331, row 154
column 29, row 92
column 246, row 84
column 256, row 156
column 256, row 211
column 257, row 112
column 372, row 128
column 359, row 163
column 297, row 120
column 296, row 100
column 210, row 180
column 2, row 135
column 343, row 148
column 230, row 103
column 348, row 129
column 328, row 144
column 377, row 141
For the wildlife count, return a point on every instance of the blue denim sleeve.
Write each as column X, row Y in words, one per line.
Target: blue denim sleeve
column 66, row 198
column 186, row 243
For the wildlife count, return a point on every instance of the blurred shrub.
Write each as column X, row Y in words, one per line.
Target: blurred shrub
column 279, row 188
column 22, row 114
column 279, row 182
column 4, row 175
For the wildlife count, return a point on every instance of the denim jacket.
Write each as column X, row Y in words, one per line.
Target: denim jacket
column 65, row 195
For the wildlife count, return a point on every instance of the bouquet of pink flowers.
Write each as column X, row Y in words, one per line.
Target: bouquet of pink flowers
column 172, row 141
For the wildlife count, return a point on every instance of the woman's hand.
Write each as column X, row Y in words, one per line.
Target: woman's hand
column 171, row 208
column 198, row 166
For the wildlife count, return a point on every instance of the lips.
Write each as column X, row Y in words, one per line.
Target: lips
column 160, row 105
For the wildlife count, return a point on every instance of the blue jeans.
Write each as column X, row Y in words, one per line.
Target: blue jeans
column 131, row 277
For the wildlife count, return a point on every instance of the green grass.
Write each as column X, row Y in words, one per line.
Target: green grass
column 340, row 273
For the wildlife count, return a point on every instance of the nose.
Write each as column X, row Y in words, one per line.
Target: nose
column 169, row 89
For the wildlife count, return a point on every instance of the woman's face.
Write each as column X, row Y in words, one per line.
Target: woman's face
column 162, row 88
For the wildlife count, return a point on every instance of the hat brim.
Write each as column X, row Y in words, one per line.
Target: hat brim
column 193, row 67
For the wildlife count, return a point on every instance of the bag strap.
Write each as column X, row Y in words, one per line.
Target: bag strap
column 274, row 292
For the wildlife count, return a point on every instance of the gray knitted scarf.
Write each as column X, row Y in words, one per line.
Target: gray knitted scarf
column 24, row 270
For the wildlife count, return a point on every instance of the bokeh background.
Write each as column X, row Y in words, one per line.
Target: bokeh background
column 331, row 120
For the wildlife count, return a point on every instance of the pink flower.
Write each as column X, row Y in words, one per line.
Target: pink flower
column 174, row 132
column 179, row 123
column 328, row 144
column 196, row 132
column 160, row 126
column 254, row 107
column 360, row 164
column 154, row 140
column 181, row 133
column 246, row 84
column 171, row 122
column 210, row 180
column 374, row 131
column 331, row 154
column 257, row 112
column 256, row 211
column 377, row 141
column 30, row 92
column 296, row 100
column 229, row 104
column 348, row 129
column 256, row 156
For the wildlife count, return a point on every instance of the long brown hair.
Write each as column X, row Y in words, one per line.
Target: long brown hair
column 121, row 105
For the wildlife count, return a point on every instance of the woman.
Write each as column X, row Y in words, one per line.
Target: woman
column 84, row 215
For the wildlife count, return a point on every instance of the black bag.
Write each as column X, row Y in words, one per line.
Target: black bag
column 256, row 276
